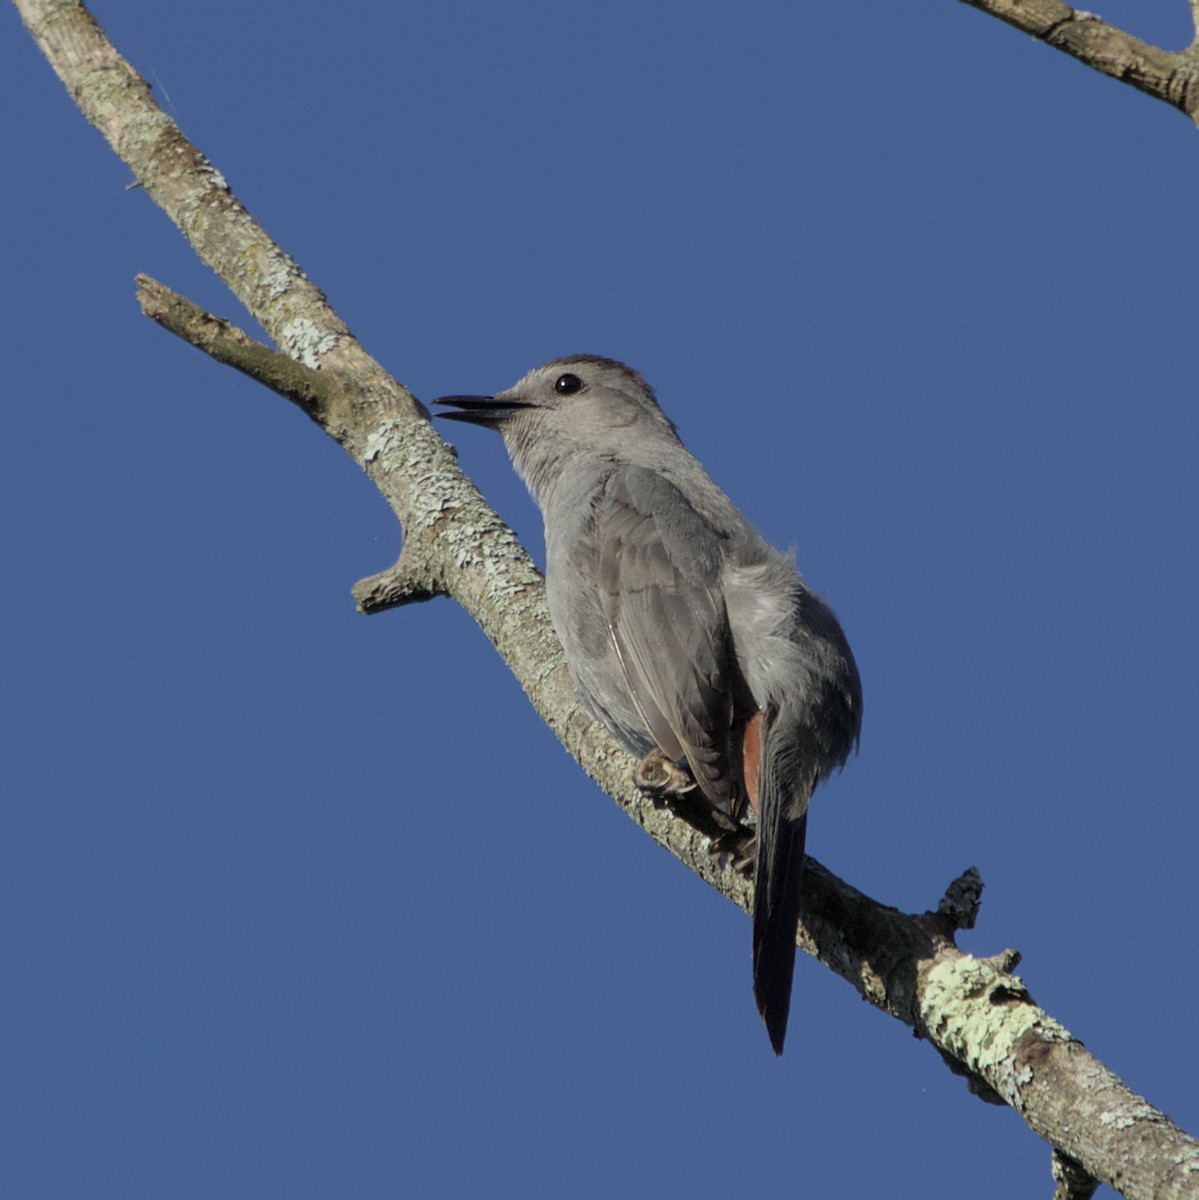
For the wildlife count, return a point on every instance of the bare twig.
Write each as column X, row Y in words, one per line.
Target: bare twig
column 315, row 392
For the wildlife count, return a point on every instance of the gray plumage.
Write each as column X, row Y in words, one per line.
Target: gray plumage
column 684, row 631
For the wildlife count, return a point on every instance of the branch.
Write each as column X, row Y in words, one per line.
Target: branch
column 1167, row 75
column 1072, row 1182
column 316, row 393
column 978, row 1016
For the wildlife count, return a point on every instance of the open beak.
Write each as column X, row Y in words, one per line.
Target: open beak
column 488, row 411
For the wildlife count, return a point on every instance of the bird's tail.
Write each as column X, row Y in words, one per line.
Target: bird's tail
column 778, row 872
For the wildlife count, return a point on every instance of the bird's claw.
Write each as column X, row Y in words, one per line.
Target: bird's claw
column 661, row 777
column 736, row 849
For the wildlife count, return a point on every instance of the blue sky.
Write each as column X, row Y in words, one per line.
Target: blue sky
column 301, row 903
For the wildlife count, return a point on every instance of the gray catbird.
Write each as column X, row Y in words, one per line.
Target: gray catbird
column 686, row 634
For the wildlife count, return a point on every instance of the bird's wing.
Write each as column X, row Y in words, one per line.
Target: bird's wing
column 658, row 578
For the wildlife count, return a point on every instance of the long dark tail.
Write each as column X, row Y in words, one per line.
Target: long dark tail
column 778, row 872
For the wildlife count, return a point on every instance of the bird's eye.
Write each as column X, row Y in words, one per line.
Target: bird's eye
column 567, row 385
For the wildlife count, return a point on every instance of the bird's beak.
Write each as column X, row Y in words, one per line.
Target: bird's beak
column 488, row 411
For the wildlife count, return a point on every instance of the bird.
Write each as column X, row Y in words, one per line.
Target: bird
column 697, row 644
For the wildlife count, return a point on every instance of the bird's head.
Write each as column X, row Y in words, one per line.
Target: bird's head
column 581, row 408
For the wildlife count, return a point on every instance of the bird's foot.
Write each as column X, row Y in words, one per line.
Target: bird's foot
column 661, row 777
column 671, row 785
column 736, row 849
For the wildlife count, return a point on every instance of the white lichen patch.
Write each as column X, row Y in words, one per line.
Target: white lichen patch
column 376, row 444
column 280, row 274
column 1126, row 1115
column 980, row 1014
column 306, row 341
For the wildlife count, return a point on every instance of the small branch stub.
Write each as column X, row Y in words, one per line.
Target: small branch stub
column 960, row 904
column 405, row 582
column 1071, row 1182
